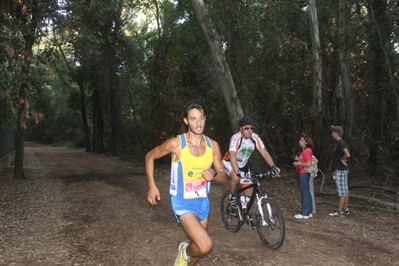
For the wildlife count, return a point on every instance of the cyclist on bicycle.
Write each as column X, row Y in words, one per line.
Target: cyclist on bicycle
column 242, row 145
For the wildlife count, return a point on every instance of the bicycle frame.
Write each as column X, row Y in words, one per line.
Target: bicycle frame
column 255, row 192
column 266, row 217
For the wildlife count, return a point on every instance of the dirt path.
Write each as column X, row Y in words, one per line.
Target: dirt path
column 81, row 208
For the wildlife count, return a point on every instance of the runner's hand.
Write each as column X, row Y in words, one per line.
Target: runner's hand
column 208, row 174
column 153, row 195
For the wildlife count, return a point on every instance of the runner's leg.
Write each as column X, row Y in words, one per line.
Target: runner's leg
column 201, row 243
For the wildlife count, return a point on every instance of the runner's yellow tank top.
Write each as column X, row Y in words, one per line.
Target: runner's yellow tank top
column 186, row 180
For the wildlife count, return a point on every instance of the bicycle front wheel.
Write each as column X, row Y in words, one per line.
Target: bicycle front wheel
column 230, row 215
column 270, row 225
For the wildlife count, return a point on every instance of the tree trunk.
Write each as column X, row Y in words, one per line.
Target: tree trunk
column 237, row 40
column 79, row 81
column 317, row 62
column 381, row 31
column 113, row 83
column 115, row 112
column 344, row 66
column 28, row 18
column 379, row 81
column 19, row 134
column 221, row 66
column 317, row 75
column 86, row 128
column 98, row 126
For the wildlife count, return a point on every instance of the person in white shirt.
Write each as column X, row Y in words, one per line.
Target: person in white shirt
column 242, row 145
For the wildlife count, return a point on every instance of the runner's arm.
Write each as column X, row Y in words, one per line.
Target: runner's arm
column 218, row 166
column 169, row 146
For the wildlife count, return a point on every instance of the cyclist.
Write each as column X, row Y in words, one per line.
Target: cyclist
column 242, row 145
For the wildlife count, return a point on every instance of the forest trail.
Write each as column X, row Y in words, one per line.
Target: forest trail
column 79, row 208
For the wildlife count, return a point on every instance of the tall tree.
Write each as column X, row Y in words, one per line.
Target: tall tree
column 75, row 74
column 112, row 28
column 317, row 70
column 95, row 32
column 219, row 59
column 379, row 80
column 27, row 17
column 344, row 67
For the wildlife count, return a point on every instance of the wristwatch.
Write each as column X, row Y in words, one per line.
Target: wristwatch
column 214, row 173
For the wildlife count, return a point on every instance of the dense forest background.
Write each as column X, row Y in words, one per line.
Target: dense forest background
column 113, row 75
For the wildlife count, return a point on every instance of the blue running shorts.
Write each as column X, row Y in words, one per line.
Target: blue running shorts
column 200, row 207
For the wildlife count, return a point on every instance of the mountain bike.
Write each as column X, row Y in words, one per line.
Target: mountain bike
column 269, row 220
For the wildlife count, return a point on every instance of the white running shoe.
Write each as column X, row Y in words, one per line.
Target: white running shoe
column 300, row 216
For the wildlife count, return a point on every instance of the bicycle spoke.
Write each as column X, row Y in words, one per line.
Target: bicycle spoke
column 270, row 225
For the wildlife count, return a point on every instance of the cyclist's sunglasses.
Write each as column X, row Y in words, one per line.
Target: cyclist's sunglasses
column 249, row 128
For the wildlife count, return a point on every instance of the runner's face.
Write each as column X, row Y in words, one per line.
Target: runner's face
column 247, row 131
column 195, row 121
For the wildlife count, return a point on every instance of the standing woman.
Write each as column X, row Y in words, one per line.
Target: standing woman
column 304, row 160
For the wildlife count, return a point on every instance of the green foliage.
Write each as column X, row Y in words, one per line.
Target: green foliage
column 10, row 67
column 163, row 60
column 61, row 115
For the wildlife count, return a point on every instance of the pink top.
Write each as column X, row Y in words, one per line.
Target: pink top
column 306, row 156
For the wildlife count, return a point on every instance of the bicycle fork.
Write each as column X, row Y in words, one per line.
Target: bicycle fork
column 260, row 209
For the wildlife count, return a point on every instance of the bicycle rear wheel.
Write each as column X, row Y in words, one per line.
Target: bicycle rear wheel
column 271, row 229
column 230, row 216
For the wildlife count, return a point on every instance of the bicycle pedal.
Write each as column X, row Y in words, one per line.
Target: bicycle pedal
column 252, row 225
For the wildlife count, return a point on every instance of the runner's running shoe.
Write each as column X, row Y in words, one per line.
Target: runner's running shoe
column 180, row 260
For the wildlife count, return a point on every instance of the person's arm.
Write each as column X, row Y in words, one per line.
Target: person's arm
column 268, row 158
column 171, row 145
column 306, row 158
column 220, row 176
column 233, row 161
column 345, row 157
column 304, row 164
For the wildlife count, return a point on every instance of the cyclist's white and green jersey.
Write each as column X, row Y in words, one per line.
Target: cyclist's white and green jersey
column 244, row 148
column 186, row 174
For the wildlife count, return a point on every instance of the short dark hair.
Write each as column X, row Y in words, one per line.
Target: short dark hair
column 337, row 129
column 193, row 104
column 246, row 121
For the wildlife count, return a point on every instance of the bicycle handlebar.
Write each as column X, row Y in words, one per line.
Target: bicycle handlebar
column 261, row 175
